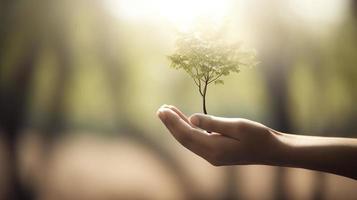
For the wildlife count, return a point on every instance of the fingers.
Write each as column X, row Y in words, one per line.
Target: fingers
column 178, row 112
column 195, row 140
column 224, row 126
column 213, row 147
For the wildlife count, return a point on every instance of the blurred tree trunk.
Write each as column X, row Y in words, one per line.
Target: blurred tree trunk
column 13, row 99
column 13, row 102
column 276, row 52
column 277, row 84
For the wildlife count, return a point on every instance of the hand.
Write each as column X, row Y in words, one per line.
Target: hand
column 230, row 141
column 223, row 141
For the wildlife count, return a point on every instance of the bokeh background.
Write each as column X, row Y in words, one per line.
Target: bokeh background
column 81, row 80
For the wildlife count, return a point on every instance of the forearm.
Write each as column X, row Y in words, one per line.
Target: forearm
column 333, row 155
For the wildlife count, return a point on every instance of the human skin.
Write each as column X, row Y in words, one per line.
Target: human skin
column 236, row 141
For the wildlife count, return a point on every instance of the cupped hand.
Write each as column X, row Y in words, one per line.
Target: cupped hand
column 223, row 141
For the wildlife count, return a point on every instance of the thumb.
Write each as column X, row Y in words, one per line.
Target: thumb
column 224, row 126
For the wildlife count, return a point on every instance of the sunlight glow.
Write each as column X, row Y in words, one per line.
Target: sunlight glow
column 319, row 11
column 181, row 13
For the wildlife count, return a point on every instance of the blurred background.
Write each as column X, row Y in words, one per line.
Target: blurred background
column 81, row 80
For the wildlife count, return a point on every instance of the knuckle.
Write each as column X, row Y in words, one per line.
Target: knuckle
column 241, row 126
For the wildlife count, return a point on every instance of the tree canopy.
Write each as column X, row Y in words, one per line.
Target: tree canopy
column 207, row 58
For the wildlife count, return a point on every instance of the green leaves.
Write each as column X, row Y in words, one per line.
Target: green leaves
column 207, row 58
column 219, row 82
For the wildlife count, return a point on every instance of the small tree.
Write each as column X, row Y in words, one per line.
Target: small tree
column 207, row 58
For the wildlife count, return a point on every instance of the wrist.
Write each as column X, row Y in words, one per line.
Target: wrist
column 283, row 150
column 292, row 151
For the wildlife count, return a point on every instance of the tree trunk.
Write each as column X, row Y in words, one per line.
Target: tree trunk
column 204, row 98
column 204, row 105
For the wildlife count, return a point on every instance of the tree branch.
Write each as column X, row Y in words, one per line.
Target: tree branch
column 200, row 87
column 209, row 74
column 206, row 78
column 217, row 77
column 199, row 82
column 195, row 81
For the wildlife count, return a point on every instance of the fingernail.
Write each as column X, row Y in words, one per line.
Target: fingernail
column 165, row 106
column 161, row 114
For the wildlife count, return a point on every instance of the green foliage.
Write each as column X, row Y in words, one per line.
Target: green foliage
column 208, row 58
